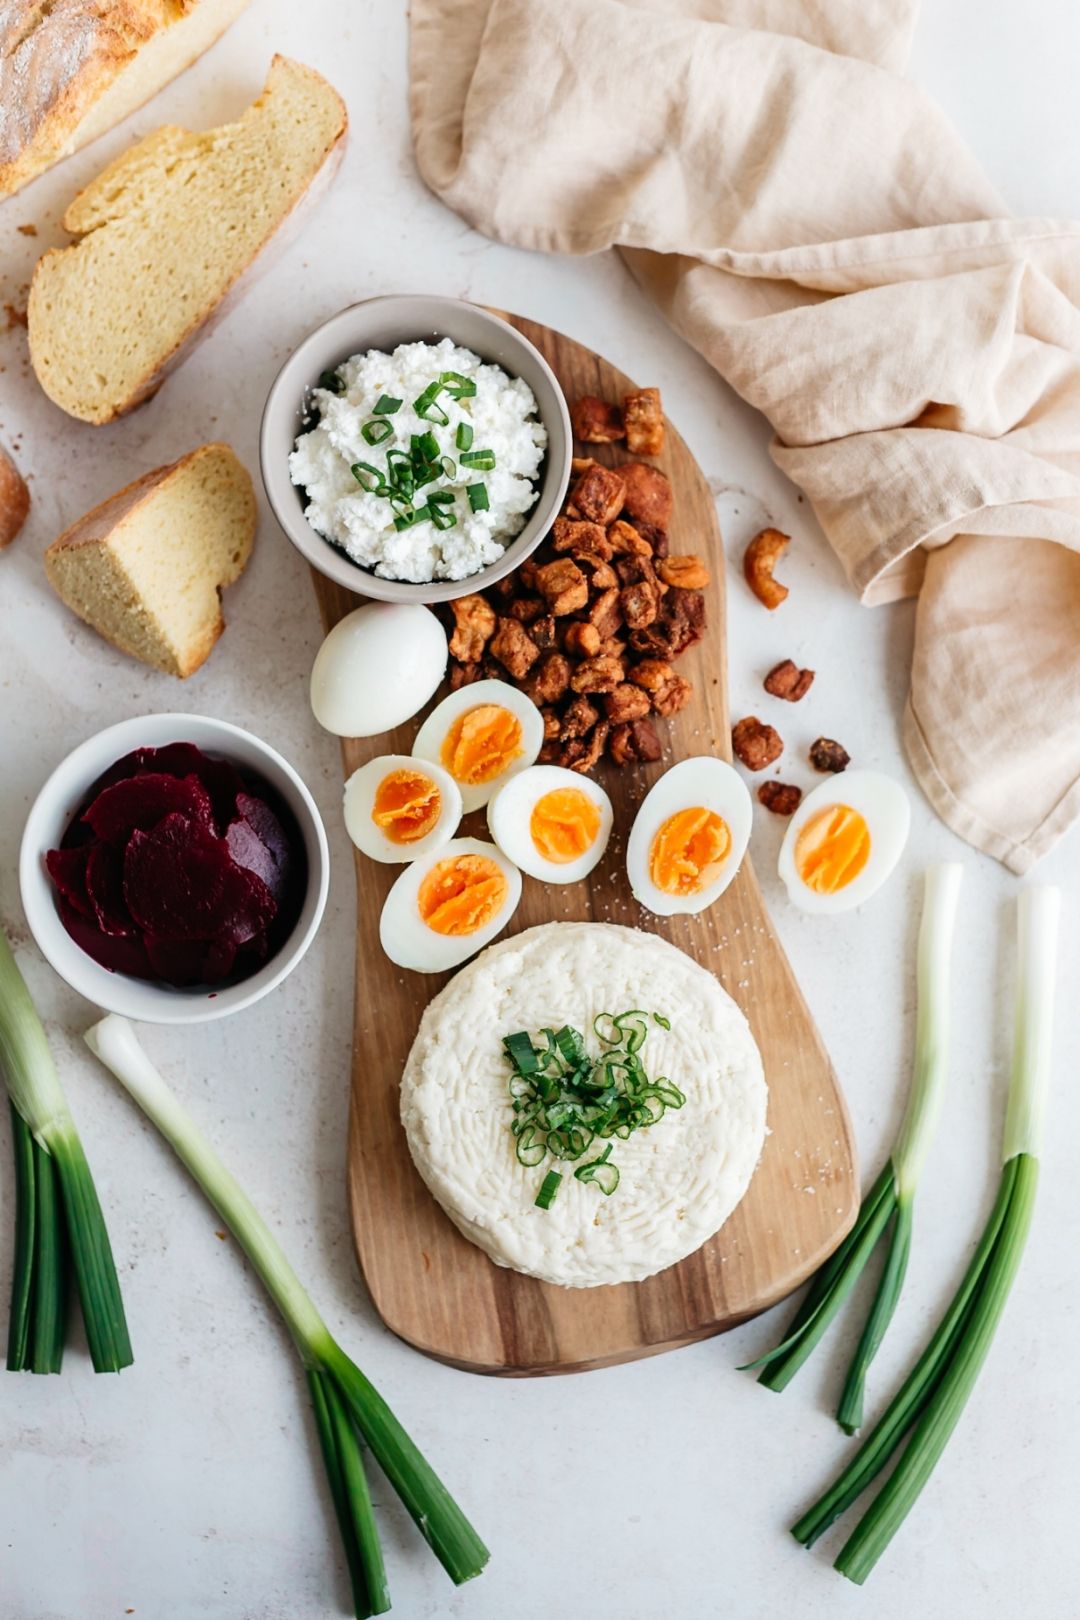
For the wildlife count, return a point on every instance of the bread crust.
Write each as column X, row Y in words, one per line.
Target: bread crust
column 198, row 329
column 59, row 60
column 95, row 526
column 14, row 500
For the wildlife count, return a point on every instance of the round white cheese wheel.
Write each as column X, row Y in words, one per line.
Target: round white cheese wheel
column 680, row 1179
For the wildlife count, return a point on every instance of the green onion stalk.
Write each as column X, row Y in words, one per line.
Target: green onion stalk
column 886, row 1213
column 59, row 1226
column 929, row 1403
column 343, row 1399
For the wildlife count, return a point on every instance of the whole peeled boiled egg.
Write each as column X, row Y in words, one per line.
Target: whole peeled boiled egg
column 398, row 808
column 481, row 734
column 844, row 840
column 552, row 823
column 448, row 904
column 377, row 668
column 689, row 837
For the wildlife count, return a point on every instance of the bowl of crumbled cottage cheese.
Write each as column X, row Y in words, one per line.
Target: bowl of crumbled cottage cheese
column 415, row 448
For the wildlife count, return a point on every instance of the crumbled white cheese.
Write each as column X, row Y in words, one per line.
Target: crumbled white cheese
column 504, row 419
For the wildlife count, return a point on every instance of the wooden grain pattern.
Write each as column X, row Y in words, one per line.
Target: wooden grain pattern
column 430, row 1285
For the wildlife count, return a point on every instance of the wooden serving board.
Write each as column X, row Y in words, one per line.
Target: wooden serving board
column 430, row 1285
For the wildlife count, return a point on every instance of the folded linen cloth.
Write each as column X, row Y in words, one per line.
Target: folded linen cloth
column 810, row 221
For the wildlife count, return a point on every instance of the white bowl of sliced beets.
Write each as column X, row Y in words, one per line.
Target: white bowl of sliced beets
column 174, row 869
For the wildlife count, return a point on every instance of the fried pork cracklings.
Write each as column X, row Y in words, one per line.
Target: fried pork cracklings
column 680, row 1178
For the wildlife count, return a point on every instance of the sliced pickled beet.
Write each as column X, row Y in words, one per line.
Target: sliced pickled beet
column 105, row 888
column 267, row 828
column 248, row 850
column 140, row 802
column 67, row 868
column 221, row 780
column 181, row 883
column 108, row 950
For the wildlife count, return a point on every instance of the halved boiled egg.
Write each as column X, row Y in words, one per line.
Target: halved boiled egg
column 398, row 808
column 481, row 734
column 844, row 840
column 448, row 905
column 689, row 837
column 552, row 823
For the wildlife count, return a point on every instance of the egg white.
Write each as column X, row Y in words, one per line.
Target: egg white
column 406, row 938
column 885, row 808
column 704, row 782
column 377, row 668
column 360, row 792
column 510, row 813
column 430, row 737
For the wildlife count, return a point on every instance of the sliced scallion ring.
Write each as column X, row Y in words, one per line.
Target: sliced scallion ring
column 548, row 1189
column 386, row 405
column 464, row 436
column 481, row 460
column 457, row 386
column 427, row 407
column 332, row 382
column 478, row 497
column 377, row 430
column 369, row 478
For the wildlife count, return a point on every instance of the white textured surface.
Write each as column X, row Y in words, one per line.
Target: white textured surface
column 678, row 1182
column 188, row 1489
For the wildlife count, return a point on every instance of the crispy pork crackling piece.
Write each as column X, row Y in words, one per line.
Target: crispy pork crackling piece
column 786, row 680
column 596, row 422
column 598, row 494
column 688, row 572
column 474, row 626
column 647, row 497
column 564, row 586
column 826, row 755
column 762, row 555
column 755, row 744
column 514, row 648
column 635, row 740
column 644, row 419
column 782, row 798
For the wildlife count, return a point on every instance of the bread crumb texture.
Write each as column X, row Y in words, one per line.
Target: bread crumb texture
column 165, row 231
column 147, row 567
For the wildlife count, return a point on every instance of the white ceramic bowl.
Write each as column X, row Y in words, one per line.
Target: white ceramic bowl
column 48, row 820
column 383, row 323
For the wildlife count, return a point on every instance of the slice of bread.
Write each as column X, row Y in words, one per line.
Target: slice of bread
column 14, row 500
column 165, row 232
column 72, row 69
column 147, row 567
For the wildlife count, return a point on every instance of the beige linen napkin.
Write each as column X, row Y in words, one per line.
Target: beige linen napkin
column 809, row 220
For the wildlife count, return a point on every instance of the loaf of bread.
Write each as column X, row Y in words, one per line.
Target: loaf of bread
column 72, row 69
column 165, row 232
column 147, row 567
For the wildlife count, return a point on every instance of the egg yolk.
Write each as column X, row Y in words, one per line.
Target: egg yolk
column 407, row 806
column 564, row 825
column 461, row 894
column 481, row 744
column 832, row 849
column 689, row 851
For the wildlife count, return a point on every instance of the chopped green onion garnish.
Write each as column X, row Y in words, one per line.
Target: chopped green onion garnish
column 464, row 436
column 426, row 405
column 332, row 382
column 448, row 468
column 442, row 517
column 562, row 1099
column 441, row 497
column 399, row 469
column 369, row 478
column 457, row 386
column 407, row 519
column 345, row 1402
column 377, row 430
column 386, row 405
column 482, row 460
column 548, row 1188
column 478, row 497
column 425, row 447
